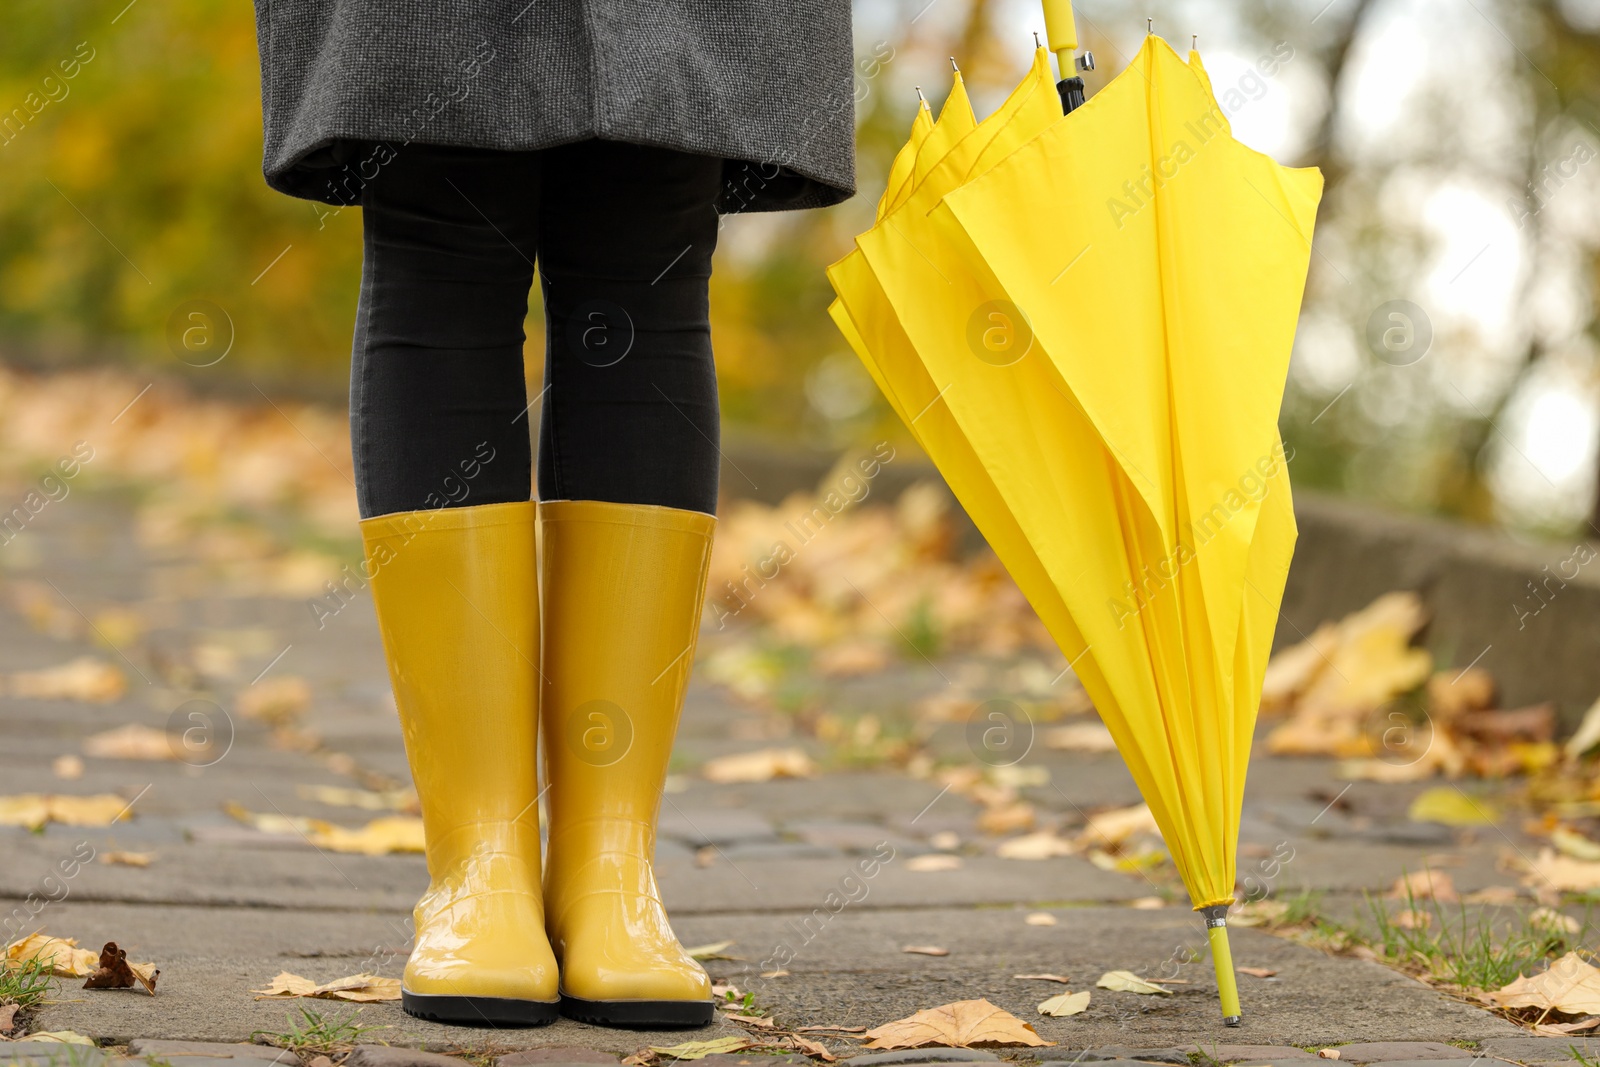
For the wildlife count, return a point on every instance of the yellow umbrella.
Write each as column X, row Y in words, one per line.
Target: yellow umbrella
column 1086, row 321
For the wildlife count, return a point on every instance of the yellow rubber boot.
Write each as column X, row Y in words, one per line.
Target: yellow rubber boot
column 623, row 587
column 457, row 599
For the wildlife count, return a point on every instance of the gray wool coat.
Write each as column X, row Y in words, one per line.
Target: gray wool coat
column 767, row 87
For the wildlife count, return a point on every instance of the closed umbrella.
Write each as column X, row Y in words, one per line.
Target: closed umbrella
column 1086, row 321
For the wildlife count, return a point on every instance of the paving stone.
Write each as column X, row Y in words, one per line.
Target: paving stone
column 1251, row 1053
column 1540, row 1049
column 741, row 1059
column 198, row 1053
column 713, row 826
column 1451, row 1062
column 554, row 1054
column 1122, row 1052
column 1387, row 1051
column 924, row 1055
column 51, row 1054
column 387, row 1056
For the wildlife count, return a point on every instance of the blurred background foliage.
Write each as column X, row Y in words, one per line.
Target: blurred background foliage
column 1456, row 139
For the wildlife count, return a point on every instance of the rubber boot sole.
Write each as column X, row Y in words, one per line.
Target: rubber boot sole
column 640, row 1014
column 479, row 1011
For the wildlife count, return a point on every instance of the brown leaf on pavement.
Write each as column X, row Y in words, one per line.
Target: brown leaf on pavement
column 68, row 768
column 133, row 741
column 358, row 987
column 926, row 950
column 126, row 859
column 698, row 1050
column 963, row 1024
column 1042, row 978
column 1424, row 885
column 761, row 766
column 86, row 678
column 8, row 1015
column 1256, row 972
column 115, row 972
column 812, row 1048
column 276, row 701
column 1571, row 986
column 60, row 955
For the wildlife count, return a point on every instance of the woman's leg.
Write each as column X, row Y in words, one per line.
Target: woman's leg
column 442, row 461
column 437, row 404
column 628, row 485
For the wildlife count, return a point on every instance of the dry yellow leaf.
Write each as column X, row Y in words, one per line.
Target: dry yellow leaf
column 365, row 799
column 713, row 951
column 275, row 701
column 926, row 950
column 133, row 741
column 1450, row 806
column 1570, row 842
column 394, row 833
column 1424, row 885
column 357, row 987
column 1080, row 737
column 1549, row 870
column 1042, row 978
column 1571, row 985
column 1007, row 818
column 68, row 767
column 126, row 859
column 699, row 1050
column 1291, row 671
column 85, row 678
column 1065, row 1004
column 761, row 766
column 933, row 861
column 1128, row 982
column 963, row 1024
column 33, row 810
column 1109, row 829
column 1040, row 918
column 61, row 955
column 1042, row 845
column 61, row 1037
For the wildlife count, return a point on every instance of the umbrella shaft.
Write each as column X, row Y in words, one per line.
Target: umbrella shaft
column 1222, row 960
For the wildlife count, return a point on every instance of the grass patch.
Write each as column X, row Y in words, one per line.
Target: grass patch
column 25, row 985
column 317, row 1031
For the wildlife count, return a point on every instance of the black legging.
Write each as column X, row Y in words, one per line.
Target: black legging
column 623, row 235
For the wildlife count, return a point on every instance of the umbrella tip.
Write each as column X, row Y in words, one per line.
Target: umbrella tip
column 1232, row 1020
column 1149, row 25
column 1036, row 41
column 920, row 96
column 1194, row 42
column 953, row 65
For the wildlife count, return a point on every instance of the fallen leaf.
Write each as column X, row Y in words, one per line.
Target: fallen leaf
column 61, row 1037
column 133, row 741
column 115, row 972
column 712, row 951
column 963, row 1024
column 926, row 950
column 61, row 955
column 1587, row 734
column 8, row 1016
column 1413, row 919
column 1128, row 982
column 1065, row 1004
column 1256, row 972
column 1563, row 1029
column 933, row 861
column 341, row 797
column 86, row 678
column 1109, row 829
column 1494, row 894
column 358, row 987
column 1548, row 870
column 1080, row 737
column 1571, row 843
column 1042, row 977
column 33, row 810
column 1452, row 807
column 1553, row 920
column 813, row 1048
column 1451, row 693
column 1007, row 818
column 761, row 766
column 68, row 768
column 276, row 701
column 753, row 1020
column 1042, row 845
column 1328, row 1053
column 1040, row 918
column 775, row 974
column 696, row 1050
column 643, row 1058
column 1147, row 903
column 1570, row 985
column 945, row 840
column 1424, row 885
column 126, row 859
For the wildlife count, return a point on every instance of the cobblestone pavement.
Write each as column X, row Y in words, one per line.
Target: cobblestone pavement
column 225, row 906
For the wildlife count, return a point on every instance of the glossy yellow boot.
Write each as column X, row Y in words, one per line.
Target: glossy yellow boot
column 623, row 586
column 457, row 602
